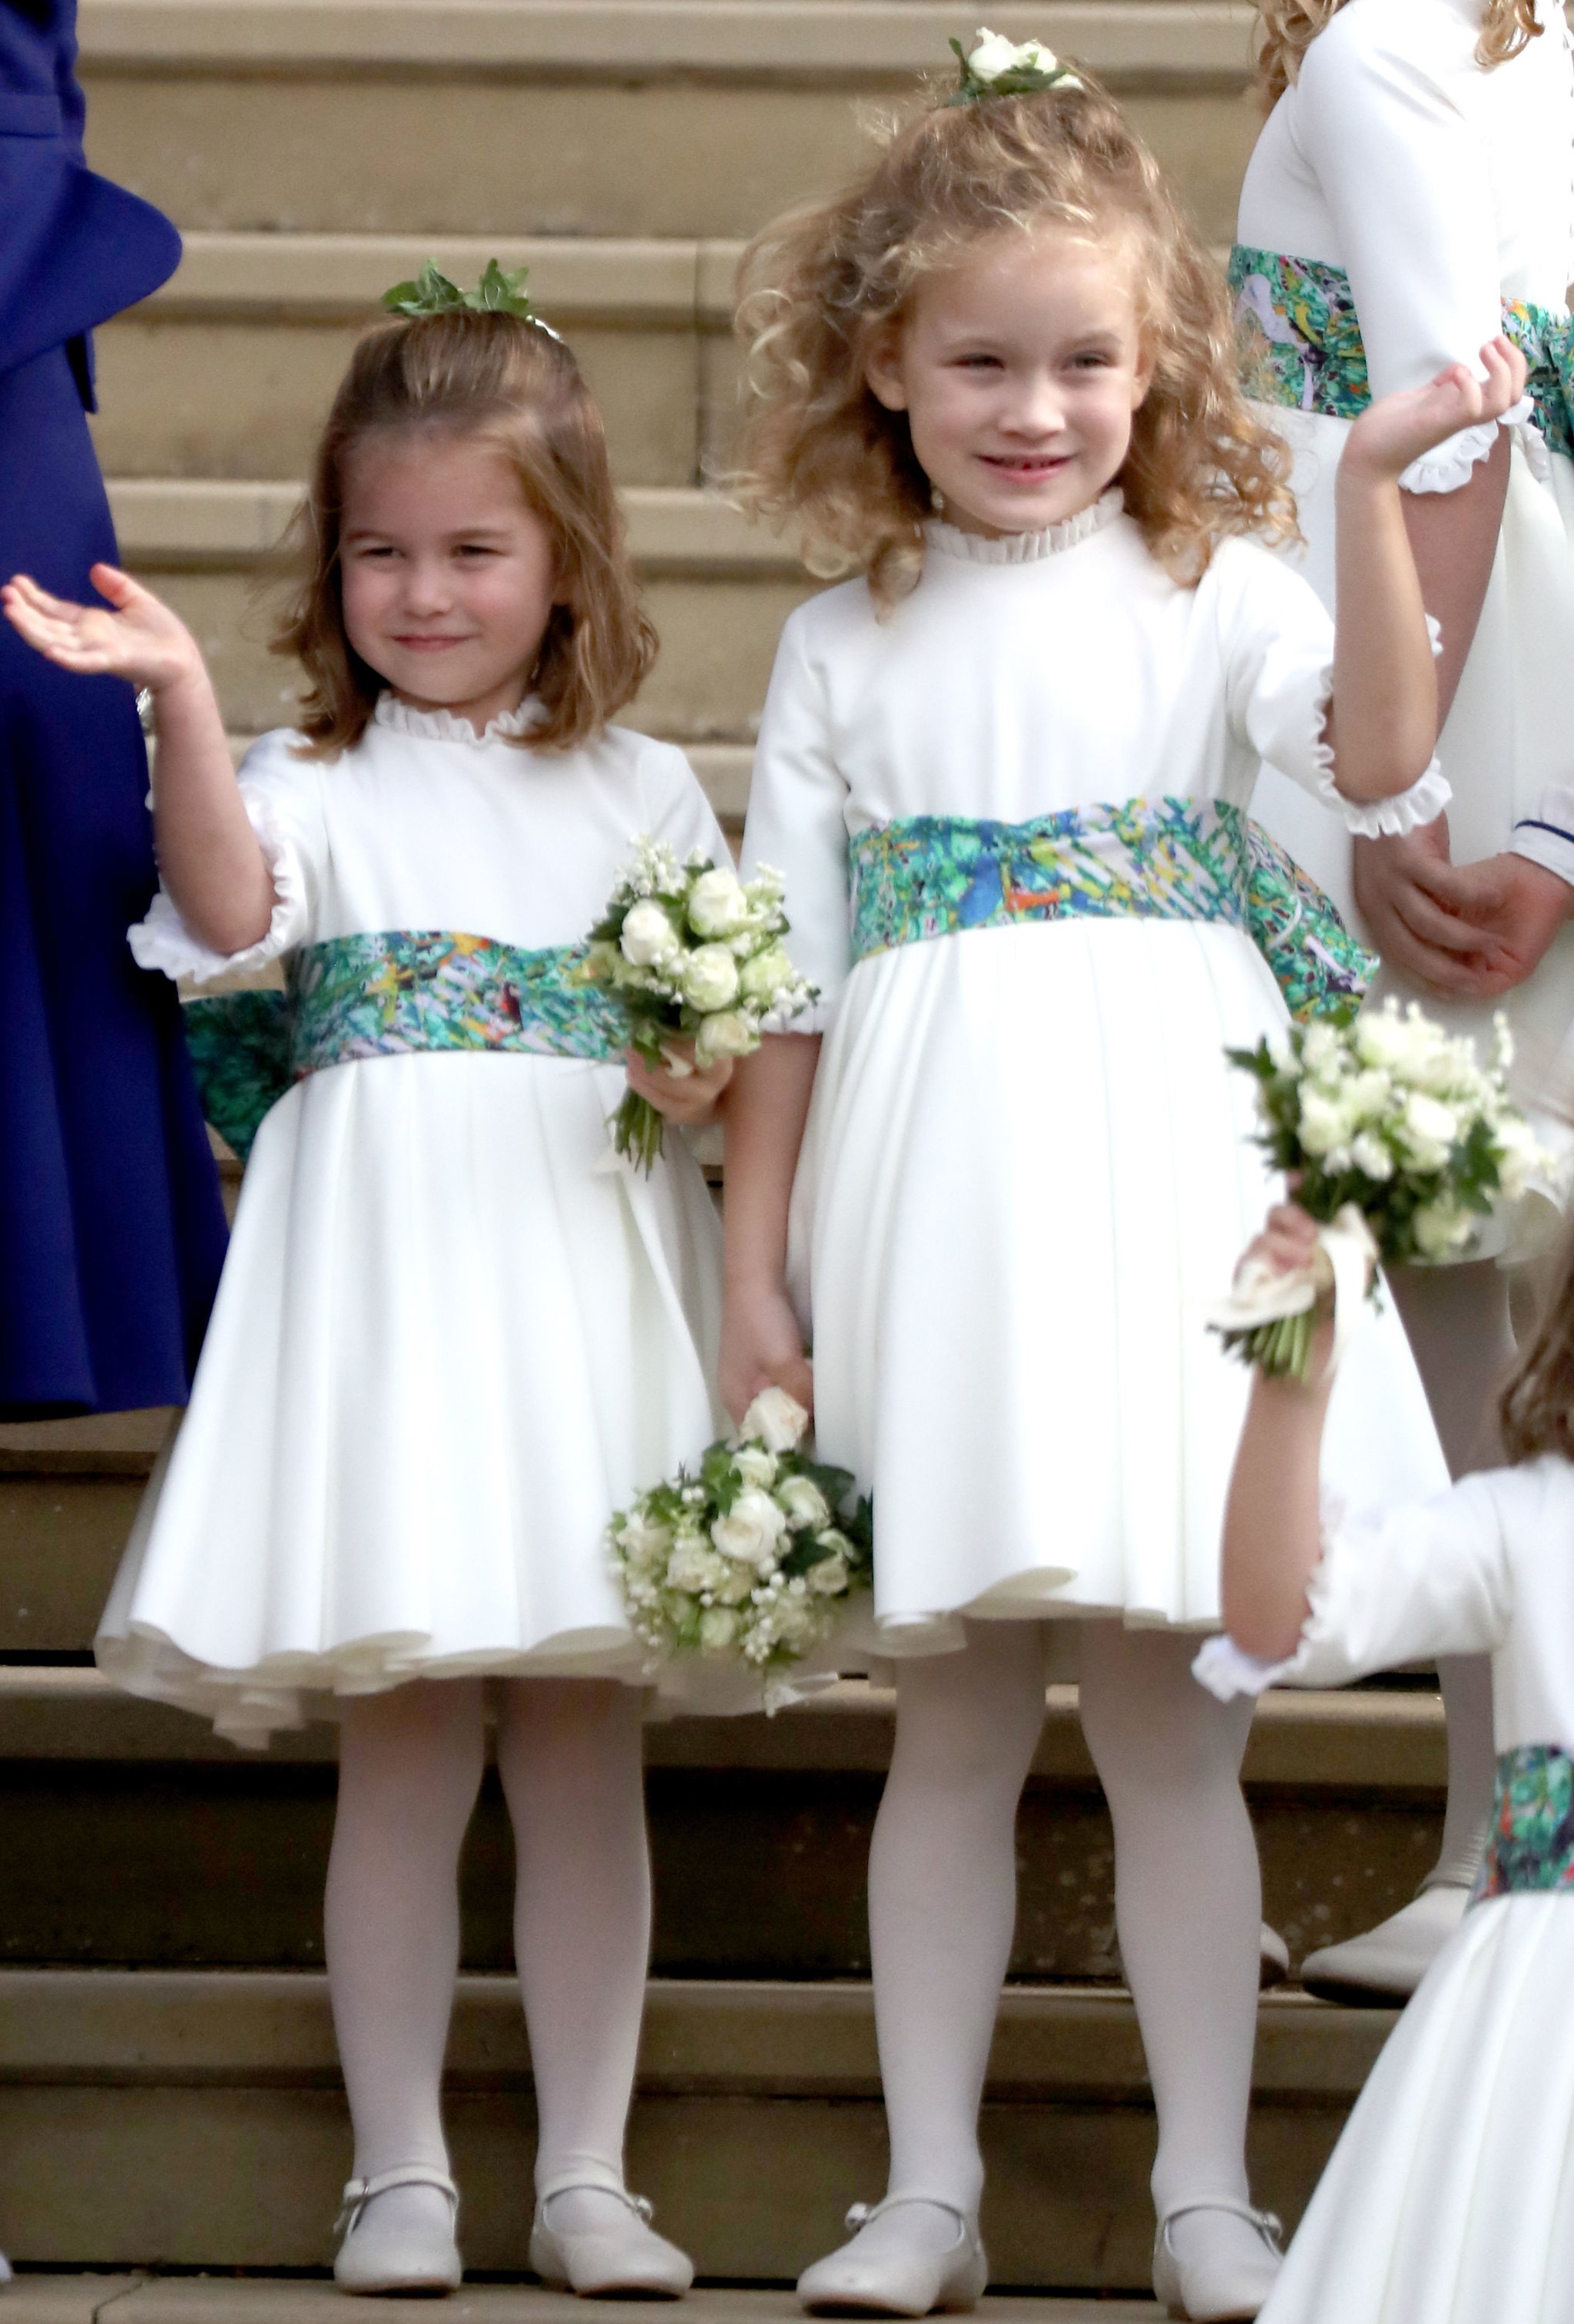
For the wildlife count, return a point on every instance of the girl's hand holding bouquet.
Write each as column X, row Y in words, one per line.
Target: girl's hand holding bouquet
column 1398, row 1145
column 695, row 955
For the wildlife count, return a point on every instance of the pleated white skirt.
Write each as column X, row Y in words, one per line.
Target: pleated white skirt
column 448, row 1342
column 1026, row 1179
column 1450, row 2198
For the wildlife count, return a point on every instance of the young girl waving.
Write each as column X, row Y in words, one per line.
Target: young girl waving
column 448, row 1341
column 1004, row 771
column 1451, row 2193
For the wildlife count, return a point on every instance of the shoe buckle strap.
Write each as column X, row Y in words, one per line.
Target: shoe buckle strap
column 640, row 2205
column 1269, row 2226
column 360, row 2192
column 862, row 2214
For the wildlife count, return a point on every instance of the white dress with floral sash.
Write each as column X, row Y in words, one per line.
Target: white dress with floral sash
column 448, row 1340
column 1027, row 1173
column 1450, row 2198
column 1442, row 188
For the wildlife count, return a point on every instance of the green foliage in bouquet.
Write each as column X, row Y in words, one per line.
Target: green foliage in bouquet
column 695, row 955
column 754, row 1557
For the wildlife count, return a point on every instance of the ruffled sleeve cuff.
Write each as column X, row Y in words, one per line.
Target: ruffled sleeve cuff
column 162, row 941
column 1228, row 1669
column 1449, row 465
column 1383, row 819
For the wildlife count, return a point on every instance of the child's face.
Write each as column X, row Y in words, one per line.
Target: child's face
column 448, row 575
column 1019, row 370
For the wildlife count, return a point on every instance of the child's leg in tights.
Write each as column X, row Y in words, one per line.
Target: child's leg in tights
column 942, row 1905
column 409, row 1768
column 570, row 1755
column 1187, row 1903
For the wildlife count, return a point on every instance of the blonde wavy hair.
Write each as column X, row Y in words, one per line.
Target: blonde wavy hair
column 818, row 454
column 1290, row 26
column 506, row 381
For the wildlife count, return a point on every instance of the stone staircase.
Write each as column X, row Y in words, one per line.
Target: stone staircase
column 168, row 2093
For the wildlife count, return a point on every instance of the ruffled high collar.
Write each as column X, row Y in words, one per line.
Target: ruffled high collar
column 1025, row 547
column 442, row 727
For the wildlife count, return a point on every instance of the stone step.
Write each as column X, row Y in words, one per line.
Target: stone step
column 229, row 370
column 148, row 2299
column 153, row 2120
column 760, row 1831
column 480, row 116
column 718, row 590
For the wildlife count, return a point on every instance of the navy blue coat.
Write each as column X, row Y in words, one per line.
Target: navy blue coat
column 111, row 1230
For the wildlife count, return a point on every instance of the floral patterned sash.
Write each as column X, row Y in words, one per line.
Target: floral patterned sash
column 1172, row 859
column 1298, row 342
column 385, row 994
column 1531, row 1847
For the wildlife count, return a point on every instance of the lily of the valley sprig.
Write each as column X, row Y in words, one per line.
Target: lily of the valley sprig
column 994, row 67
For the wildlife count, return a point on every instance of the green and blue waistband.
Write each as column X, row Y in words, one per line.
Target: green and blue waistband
column 1531, row 1849
column 1172, row 859
column 386, row 995
column 1298, row 342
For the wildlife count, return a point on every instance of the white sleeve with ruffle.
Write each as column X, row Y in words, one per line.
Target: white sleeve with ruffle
column 1277, row 643
column 1431, row 1579
column 1407, row 181
column 797, row 822
column 279, row 792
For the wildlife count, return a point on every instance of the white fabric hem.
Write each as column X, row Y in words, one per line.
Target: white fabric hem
column 162, row 942
column 1448, row 466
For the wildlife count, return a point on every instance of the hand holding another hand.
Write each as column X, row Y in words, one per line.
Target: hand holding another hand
column 1471, row 931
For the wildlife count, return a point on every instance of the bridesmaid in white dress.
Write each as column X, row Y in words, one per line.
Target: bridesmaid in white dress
column 1415, row 184
column 1450, row 2198
column 448, row 1341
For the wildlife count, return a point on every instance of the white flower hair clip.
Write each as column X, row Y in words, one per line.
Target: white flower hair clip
column 997, row 67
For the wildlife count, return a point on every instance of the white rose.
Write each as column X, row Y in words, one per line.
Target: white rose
column 1519, row 1156
column 804, row 1501
column 993, row 55
column 776, row 1420
column 1442, row 1228
column 1429, row 1129
column 735, row 1584
column 769, row 972
column 754, row 1464
column 1321, row 1049
column 644, row 1543
column 694, row 1567
column 710, row 978
column 718, row 1627
column 1372, row 1157
column 725, row 1035
column 718, row 904
column 1382, row 1036
column 828, row 1577
column 647, row 935
column 1368, row 1094
column 751, row 1529
column 1323, row 1125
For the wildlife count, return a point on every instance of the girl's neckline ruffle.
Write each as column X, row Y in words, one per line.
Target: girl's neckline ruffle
column 442, row 727
column 1025, row 547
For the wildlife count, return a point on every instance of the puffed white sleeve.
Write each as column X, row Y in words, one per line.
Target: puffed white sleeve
column 1432, row 1578
column 280, row 793
column 1406, row 180
column 797, row 822
column 1276, row 641
column 676, row 809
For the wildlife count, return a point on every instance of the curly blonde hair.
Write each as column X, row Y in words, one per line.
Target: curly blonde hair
column 1290, row 26
column 818, row 452
column 508, row 382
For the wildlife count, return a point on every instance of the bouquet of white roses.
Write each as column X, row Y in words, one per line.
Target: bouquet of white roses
column 693, row 952
column 1400, row 1144
column 755, row 1557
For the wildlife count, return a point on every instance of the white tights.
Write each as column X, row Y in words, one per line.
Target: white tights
column 942, row 1900
column 410, row 1768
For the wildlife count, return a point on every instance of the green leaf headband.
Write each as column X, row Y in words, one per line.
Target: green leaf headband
column 993, row 67
column 496, row 293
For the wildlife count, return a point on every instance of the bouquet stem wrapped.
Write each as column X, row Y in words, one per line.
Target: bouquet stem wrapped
column 695, row 955
column 1396, row 1142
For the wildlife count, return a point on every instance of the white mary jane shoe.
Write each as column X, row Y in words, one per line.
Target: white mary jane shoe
column 1231, row 2285
column 1381, row 1969
column 626, row 2262
column 897, row 2283
column 396, row 2261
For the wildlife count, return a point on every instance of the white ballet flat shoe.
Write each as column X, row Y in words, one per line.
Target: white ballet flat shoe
column 897, row 2283
column 626, row 2262
column 5, row 2269
column 1382, row 1969
column 1219, row 2287
column 1272, row 1958
column 396, row 2261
